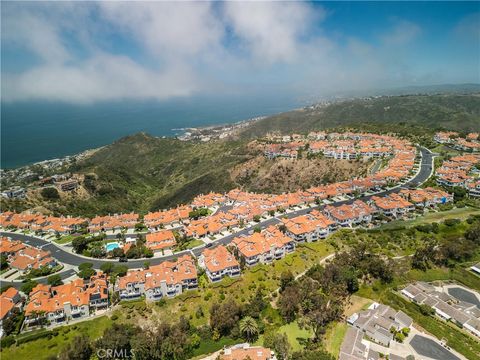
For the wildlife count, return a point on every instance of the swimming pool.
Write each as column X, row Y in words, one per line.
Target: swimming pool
column 111, row 246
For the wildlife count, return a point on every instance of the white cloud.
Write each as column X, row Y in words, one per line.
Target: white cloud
column 103, row 77
column 402, row 33
column 271, row 31
column 185, row 48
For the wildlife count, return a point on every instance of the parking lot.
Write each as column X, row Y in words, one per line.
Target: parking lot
column 431, row 349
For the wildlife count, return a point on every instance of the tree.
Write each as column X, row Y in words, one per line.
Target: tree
column 117, row 339
column 55, row 280
column 117, row 253
column 279, row 343
column 28, row 286
column 79, row 349
column 86, row 270
column 256, row 305
column 473, row 233
column 286, row 278
column 312, row 355
column 3, row 262
column 50, row 193
column 288, row 303
column 249, row 328
column 224, row 317
column 120, row 270
column 107, row 267
column 79, row 244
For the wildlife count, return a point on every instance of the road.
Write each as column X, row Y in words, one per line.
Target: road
column 66, row 257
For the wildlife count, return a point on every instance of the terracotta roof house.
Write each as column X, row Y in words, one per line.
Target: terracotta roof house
column 219, row 262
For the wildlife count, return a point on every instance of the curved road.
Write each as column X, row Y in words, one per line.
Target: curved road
column 61, row 255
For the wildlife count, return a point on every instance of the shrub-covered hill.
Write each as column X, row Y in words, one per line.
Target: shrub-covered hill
column 455, row 112
column 142, row 173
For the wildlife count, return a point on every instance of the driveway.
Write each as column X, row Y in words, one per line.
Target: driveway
column 431, row 349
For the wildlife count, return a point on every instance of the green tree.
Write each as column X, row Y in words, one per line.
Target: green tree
column 55, row 280
column 249, row 328
column 79, row 349
column 107, row 267
column 279, row 343
column 50, row 193
column 27, row 287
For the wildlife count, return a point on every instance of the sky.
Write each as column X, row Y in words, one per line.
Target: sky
column 88, row 52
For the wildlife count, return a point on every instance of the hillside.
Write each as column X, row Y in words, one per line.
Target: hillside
column 455, row 112
column 142, row 173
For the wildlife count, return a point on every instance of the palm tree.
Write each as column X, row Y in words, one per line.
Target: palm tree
column 249, row 328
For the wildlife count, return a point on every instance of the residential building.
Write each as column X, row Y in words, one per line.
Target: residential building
column 167, row 279
column 75, row 300
column 219, row 262
column 160, row 240
column 309, row 227
column 377, row 320
column 245, row 351
column 269, row 245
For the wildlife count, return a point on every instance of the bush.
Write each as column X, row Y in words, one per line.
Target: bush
column 451, row 222
column 50, row 193
column 114, row 317
column 7, row 341
column 35, row 336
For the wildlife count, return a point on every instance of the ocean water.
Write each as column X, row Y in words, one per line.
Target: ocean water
column 36, row 131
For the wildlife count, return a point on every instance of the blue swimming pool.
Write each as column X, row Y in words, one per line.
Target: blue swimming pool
column 111, row 246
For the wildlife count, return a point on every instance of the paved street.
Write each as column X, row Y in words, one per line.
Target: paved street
column 70, row 258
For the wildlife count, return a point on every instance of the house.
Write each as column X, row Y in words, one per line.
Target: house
column 16, row 193
column 350, row 215
column 9, row 299
column 219, row 262
column 167, row 279
column 161, row 240
column 68, row 185
column 172, row 217
column 377, row 320
column 428, row 197
column 245, row 351
column 309, row 227
column 352, row 347
column 74, row 300
column 476, row 268
column 392, row 205
column 269, row 245
column 29, row 258
column 113, row 222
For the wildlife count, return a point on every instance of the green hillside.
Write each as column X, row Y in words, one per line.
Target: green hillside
column 456, row 112
column 142, row 173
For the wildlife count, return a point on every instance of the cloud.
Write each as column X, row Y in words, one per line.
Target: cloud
column 86, row 51
column 469, row 27
column 103, row 77
column 271, row 31
column 403, row 32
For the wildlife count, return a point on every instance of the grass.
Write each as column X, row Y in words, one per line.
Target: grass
column 64, row 239
column 210, row 346
column 334, row 337
column 45, row 348
column 459, row 213
column 294, row 334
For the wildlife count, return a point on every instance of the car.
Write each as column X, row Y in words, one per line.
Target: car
column 208, row 245
column 122, row 259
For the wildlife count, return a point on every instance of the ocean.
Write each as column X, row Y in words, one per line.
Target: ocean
column 36, row 131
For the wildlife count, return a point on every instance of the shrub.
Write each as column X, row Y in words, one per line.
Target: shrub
column 7, row 341
column 114, row 317
column 35, row 336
